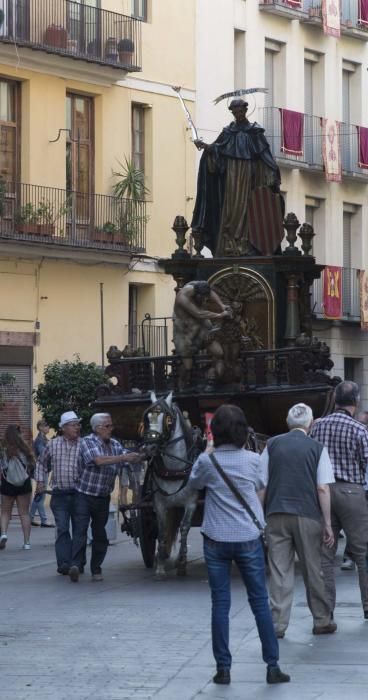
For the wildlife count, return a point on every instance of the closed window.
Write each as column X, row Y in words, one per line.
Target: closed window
column 138, row 136
column 9, row 130
column 139, row 9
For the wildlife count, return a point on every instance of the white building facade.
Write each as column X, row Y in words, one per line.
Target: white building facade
column 281, row 45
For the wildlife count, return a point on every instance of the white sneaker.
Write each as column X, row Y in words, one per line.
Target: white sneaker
column 26, row 546
column 3, row 541
column 347, row 565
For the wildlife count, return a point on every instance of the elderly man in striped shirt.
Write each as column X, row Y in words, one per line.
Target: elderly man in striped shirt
column 61, row 456
column 347, row 443
column 101, row 460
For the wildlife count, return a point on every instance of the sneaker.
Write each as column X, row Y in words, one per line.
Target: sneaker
column 34, row 524
column 347, row 565
column 222, row 677
column 74, row 574
column 326, row 629
column 47, row 525
column 275, row 675
column 26, row 546
column 3, row 541
column 97, row 577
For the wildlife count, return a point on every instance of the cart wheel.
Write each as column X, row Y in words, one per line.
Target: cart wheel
column 147, row 528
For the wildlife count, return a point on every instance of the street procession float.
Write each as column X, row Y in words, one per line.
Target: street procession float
column 242, row 328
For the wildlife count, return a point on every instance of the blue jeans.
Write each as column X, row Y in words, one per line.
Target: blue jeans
column 40, row 507
column 249, row 559
column 94, row 509
column 62, row 505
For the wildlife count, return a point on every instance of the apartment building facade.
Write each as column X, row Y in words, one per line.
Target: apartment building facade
column 281, row 45
column 85, row 85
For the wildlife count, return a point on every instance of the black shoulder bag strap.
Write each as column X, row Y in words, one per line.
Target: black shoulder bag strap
column 237, row 494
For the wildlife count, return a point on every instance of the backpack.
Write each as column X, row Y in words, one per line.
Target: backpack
column 15, row 472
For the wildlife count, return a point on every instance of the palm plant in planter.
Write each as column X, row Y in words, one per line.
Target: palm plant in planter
column 130, row 188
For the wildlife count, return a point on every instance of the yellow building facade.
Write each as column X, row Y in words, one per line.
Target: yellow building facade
column 84, row 85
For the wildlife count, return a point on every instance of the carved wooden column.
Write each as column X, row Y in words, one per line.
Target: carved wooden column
column 292, row 329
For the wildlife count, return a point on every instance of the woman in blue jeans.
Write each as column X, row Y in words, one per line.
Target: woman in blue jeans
column 230, row 535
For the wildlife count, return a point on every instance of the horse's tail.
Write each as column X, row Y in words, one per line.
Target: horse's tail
column 174, row 517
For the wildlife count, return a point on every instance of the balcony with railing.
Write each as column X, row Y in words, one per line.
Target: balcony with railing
column 350, row 156
column 350, row 296
column 351, row 22
column 74, row 30
column 311, row 144
column 151, row 336
column 52, row 217
column 290, row 9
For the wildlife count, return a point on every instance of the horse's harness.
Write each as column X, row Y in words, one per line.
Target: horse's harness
column 160, row 441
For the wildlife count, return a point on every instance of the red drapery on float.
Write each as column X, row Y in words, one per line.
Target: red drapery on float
column 292, row 132
column 332, row 296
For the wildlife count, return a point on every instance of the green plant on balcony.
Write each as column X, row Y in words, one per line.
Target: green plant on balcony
column 40, row 219
column 106, row 232
column 130, row 187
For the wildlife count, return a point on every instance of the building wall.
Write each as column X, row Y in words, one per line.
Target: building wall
column 221, row 64
column 59, row 296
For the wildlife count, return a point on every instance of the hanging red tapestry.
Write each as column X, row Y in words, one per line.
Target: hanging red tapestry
column 362, row 146
column 331, row 14
column 332, row 297
column 292, row 132
column 363, row 13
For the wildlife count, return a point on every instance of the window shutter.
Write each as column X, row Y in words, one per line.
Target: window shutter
column 17, row 400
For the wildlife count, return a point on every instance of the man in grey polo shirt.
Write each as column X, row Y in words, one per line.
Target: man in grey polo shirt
column 297, row 471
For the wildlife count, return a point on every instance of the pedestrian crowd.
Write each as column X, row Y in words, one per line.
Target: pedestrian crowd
column 293, row 500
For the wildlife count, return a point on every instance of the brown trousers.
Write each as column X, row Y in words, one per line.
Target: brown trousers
column 349, row 512
column 288, row 534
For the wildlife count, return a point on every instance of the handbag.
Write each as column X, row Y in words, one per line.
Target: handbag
column 15, row 472
column 241, row 499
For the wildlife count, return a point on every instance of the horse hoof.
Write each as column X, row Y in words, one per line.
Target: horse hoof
column 160, row 576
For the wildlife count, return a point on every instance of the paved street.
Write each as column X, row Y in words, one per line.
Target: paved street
column 133, row 637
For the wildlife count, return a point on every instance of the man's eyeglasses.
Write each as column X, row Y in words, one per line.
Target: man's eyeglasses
column 107, row 425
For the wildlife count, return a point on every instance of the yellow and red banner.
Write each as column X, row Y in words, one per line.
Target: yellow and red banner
column 331, row 152
column 332, row 292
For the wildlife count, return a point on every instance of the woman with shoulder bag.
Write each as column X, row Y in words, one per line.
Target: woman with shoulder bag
column 232, row 529
column 16, row 467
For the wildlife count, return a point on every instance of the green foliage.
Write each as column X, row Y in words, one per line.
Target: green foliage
column 42, row 213
column 68, row 386
column 130, row 182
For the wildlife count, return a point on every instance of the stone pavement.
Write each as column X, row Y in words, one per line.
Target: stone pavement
column 133, row 637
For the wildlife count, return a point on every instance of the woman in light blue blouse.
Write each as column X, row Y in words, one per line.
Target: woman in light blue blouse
column 231, row 535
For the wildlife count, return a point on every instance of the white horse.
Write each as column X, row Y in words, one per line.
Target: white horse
column 173, row 446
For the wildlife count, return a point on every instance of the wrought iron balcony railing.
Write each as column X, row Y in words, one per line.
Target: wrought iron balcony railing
column 350, row 157
column 151, row 335
column 73, row 29
column 350, row 16
column 350, row 295
column 52, row 216
column 312, row 138
column 286, row 8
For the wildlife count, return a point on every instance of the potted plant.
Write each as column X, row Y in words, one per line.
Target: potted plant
column 105, row 233
column 111, row 50
column 26, row 219
column 126, row 51
column 130, row 188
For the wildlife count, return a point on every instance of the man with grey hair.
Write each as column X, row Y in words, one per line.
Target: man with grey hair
column 297, row 471
column 101, row 459
column 347, row 442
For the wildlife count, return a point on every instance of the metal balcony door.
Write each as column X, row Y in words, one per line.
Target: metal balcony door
column 80, row 157
column 308, row 111
column 84, row 24
column 16, row 20
column 271, row 121
column 346, row 272
column 346, row 141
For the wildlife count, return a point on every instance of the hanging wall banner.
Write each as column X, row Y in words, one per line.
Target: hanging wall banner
column 292, row 132
column 332, row 296
column 331, row 14
column 331, row 149
column 363, row 13
column 362, row 146
column 363, row 300
column 296, row 4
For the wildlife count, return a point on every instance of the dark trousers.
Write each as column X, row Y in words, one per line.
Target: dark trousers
column 249, row 559
column 62, row 505
column 94, row 509
column 349, row 512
